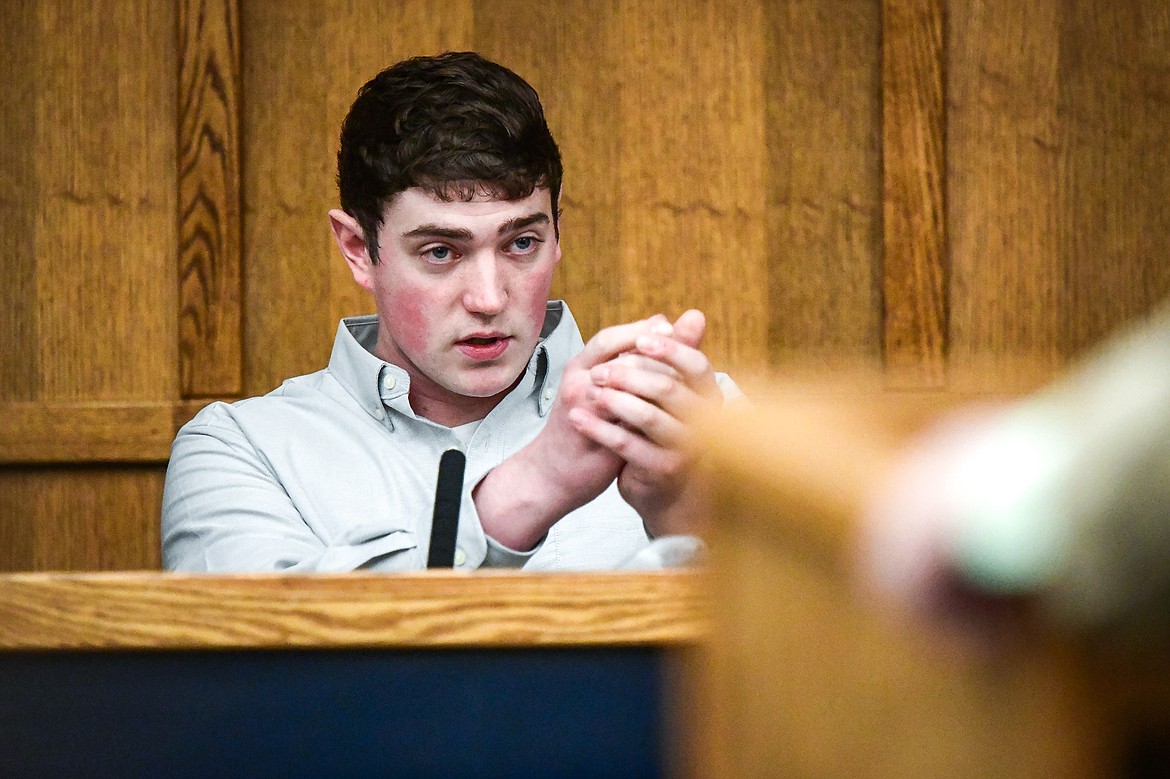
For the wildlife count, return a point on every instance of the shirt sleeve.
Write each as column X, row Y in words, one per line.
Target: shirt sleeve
column 500, row 556
column 224, row 510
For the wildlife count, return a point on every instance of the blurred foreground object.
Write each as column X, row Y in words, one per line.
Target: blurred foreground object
column 1064, row 496
column 820, row 488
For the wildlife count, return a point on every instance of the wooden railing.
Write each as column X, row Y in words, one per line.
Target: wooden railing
column 169, row 611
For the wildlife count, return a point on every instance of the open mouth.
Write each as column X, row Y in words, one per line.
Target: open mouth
column 484, row 347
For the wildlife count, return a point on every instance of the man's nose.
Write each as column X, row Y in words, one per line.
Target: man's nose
column 485, row 291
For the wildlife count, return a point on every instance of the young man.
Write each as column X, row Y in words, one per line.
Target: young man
column 449, row 181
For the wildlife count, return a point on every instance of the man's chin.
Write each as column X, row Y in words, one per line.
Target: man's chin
column 484, row 387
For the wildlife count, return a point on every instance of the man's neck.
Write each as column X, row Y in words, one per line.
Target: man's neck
column 445, row 412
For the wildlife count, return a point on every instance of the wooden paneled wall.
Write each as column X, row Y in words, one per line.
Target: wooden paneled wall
column 1058, row 150
column 945, row 190
column 89, row 299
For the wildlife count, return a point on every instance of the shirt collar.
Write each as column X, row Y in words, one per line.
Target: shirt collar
column 560, row 341
column 374, row 383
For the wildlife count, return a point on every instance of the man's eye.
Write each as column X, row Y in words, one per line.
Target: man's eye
column 525, row 244
column 439, row 254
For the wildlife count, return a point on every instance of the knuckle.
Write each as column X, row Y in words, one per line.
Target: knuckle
column 662, row 385
column 646, row 416
column 605, row 338
column 603, row 401
column 621, row 442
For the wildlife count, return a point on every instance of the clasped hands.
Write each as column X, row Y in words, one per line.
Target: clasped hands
column 646, row 381
column 623, row 411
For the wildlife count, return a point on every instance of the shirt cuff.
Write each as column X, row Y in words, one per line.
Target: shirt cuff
column 500, row 556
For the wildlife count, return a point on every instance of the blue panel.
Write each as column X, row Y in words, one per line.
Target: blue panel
column 447, row 713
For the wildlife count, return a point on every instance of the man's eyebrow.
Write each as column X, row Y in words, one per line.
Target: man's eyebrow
column 436, row 231
column 463, row 234
column 520, row 222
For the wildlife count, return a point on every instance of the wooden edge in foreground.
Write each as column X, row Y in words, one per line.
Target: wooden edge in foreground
column 813, row 462
column 152, row 610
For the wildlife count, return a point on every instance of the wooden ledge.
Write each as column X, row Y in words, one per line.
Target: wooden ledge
column 149, row 610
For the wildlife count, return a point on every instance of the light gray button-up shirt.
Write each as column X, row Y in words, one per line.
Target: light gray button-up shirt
column 333, row 471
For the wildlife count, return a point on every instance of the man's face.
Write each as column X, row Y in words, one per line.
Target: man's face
column 461, row 289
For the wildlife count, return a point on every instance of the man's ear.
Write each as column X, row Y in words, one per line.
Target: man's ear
column 557, row 236
column 352, row 243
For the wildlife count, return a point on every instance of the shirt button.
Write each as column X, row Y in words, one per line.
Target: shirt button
column 388, row 381
column 549, row 394
column 460, row 557
column 379, row 414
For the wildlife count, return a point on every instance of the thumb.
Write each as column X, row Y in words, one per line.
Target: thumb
column 690, row 328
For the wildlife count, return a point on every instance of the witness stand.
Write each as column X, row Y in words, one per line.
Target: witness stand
column 431, row 674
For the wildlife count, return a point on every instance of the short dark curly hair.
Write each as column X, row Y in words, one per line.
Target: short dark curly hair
column 456, row 125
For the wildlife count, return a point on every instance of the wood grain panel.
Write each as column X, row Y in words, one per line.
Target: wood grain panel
column 288, row 162
column 80, row 518
column 1057, row 202
column 824, row 207
column 1004, row 165
column 914, row 279
column 104, row 230
column 147, row 611
column 19, row 50
column 210, row 359
column 17, row 539
column 692, row 212
column 1115, row 137
column 87, row 244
